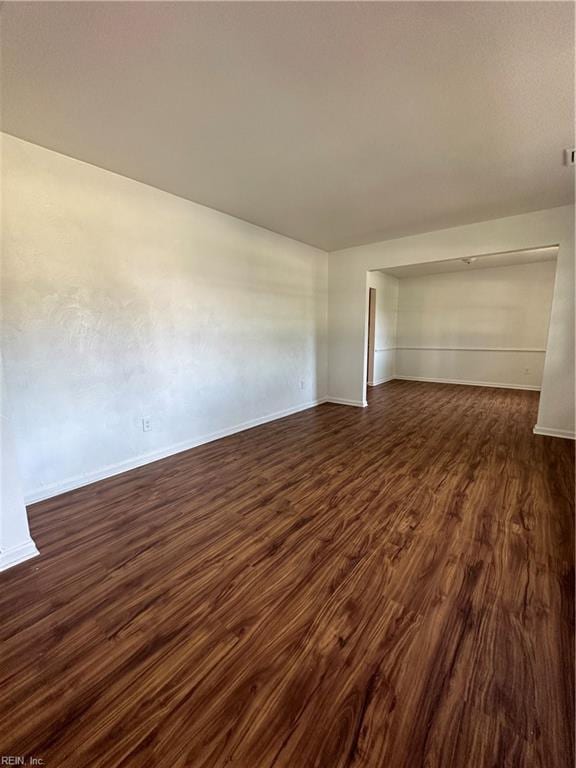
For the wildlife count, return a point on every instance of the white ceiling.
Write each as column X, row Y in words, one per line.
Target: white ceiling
column 508, row 259
column 334, row 123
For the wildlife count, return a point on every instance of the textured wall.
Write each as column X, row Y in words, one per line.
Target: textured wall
column 122, row 302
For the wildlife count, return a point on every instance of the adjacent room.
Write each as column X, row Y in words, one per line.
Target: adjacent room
column 477, row 320
column 287, row 384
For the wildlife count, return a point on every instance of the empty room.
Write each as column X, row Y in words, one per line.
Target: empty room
column 287, row 384
column 478, row 320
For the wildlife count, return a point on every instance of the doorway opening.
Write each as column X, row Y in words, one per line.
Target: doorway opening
column 371, row 335
column 476, row 320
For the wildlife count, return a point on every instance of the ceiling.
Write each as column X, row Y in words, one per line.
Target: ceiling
column 333, row 123
column 508, row 259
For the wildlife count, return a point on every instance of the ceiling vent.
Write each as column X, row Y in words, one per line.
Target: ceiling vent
column 570, row 156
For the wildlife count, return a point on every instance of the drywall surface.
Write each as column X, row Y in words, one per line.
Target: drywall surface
column 486, row 325
column 16, row 544
column 347, row 299
column 557, row 401
column 123, row 303
column 386, row 288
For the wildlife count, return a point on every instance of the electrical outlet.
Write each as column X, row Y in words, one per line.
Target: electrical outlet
column 146, row 424
column 526, row 371
column 301, row 383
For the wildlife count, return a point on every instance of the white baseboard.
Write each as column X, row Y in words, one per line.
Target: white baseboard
column 465, row 382
column 69, row 484
column 565, row 433
column 341, row 401
column 18, row 554
column 474, row 349
column 380, row 381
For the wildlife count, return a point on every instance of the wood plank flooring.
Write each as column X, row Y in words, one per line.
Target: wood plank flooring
column 389, row 587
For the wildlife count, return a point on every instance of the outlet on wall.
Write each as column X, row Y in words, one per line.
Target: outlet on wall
column 301, row 383
column 146, row 424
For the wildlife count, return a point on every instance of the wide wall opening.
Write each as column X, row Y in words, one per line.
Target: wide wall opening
column 475, row 320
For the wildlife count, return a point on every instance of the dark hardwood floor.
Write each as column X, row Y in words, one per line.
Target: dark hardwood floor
column 388, row 587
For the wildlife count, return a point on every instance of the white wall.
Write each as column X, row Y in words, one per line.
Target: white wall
column 386, row 288
column 347, row 300
column 482, row 326
column 16, row 544
column 122, row 302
